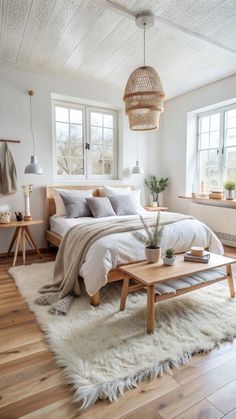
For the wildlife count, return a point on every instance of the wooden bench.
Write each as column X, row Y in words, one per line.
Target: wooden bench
column 144, row 275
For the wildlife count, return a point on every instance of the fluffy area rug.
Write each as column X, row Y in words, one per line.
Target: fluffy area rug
column 105, row 352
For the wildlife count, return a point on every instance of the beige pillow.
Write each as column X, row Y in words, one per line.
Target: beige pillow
column 108, row 190
column 60, row 207
column 134, row 195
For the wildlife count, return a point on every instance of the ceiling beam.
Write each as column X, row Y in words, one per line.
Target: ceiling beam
column 128, row 13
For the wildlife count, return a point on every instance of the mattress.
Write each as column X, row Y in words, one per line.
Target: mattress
column 60, row 225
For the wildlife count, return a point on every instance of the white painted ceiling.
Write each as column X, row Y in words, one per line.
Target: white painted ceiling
column 84, row 39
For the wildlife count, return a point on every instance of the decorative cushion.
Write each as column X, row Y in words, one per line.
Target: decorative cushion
column 123, row 205
column 100, row 207
column 75, row 204
column 135, row 195
column 104, row 190
column 60, row 206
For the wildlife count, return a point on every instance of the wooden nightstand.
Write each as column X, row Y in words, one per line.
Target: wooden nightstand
column 22, row 233
column 156, row 208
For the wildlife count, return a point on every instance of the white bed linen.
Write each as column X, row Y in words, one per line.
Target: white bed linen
column 117, row 249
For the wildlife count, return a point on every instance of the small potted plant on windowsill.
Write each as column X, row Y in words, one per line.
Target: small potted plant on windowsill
column 151, row 240
column 230, row 189
column 169, row 257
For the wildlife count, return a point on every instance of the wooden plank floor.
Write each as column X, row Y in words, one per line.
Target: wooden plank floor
column 31, row 386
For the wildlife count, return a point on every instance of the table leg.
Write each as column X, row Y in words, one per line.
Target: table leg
column 29, row 234
column 95, row 299
column 23, row 245
column 17, row 245
column 28, row 240
column 124, row 292
column 230, row 280
column 12, row 241
column 150, row 308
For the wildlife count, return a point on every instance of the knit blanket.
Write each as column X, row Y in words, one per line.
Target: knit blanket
column 72, row 253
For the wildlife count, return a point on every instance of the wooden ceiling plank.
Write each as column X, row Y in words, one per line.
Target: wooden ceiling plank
column 81, row 23
column 39, row 17
column 61, row 17
column 104, row 25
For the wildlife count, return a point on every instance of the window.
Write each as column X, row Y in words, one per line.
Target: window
column 85, row 141
column 216, row 148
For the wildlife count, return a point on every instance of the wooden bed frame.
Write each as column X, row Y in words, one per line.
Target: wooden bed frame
column 55, row 239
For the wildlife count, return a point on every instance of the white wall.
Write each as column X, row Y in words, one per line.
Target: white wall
column 174, row 135
column 14, row 123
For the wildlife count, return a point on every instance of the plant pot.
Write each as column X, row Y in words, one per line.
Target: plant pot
column 169, row 261
column 154, row 204
column 152, row 255
column 229, row 193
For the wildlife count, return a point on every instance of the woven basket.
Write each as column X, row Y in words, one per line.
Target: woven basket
column 143, row 99
column 5, row 217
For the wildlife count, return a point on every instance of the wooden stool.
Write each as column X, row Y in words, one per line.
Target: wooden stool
column 22, row 233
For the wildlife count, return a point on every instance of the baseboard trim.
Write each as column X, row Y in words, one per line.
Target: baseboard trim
column 28, row 252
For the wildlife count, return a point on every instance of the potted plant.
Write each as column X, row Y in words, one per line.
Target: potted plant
column 169, row 257
column 152, row 240
column 156, row 186
column 230, row 188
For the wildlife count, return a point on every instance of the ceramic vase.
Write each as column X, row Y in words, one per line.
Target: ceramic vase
column 27, row 215
column 229, row 194
column 152, row 255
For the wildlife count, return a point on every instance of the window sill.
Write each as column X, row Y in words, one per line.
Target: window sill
column 210, row 201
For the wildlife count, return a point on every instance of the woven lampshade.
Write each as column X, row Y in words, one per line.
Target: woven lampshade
column 143, row 99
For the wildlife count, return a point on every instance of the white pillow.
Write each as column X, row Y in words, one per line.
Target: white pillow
column 135, row 195
column 60, row 207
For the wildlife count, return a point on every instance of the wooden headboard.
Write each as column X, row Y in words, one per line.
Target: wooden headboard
column 97, row 191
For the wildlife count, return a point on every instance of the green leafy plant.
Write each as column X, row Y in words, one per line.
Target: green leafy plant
column 230, row 185
column 169, row 253
column 152, row 238
column 156, row 186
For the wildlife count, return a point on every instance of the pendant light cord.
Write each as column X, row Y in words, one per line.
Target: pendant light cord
column 144, row 44
column 31, row 126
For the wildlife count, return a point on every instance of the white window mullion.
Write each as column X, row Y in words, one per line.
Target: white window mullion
column 222, row 154
column 88, row 141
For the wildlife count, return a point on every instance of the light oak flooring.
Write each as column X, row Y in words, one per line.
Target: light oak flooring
column 31, row 386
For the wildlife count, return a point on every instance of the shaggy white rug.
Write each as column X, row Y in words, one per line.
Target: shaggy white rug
column 104, row 351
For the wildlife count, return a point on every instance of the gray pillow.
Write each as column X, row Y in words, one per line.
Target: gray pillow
column 75, row 204
column 100, row 207
column 123, row 205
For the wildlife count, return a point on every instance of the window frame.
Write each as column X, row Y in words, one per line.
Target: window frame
column 86, row 109
column 222, row 142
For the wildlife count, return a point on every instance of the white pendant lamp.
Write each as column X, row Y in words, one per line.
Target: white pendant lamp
column 137, row 169
column 144, row 94
column 34, row 167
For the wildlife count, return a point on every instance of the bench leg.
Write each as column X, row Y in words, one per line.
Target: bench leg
column 150, row 308
column 95, row 299
column 124, row 292
column 230, row 280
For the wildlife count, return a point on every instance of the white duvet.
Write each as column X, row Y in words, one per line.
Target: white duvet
column 117, row 249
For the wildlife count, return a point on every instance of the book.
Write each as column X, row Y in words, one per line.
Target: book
column 216, row 195
column 201, row 259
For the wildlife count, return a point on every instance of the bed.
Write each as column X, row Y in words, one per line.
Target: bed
column 107, row 254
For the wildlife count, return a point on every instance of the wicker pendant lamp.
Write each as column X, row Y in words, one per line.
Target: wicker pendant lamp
column 144, row 94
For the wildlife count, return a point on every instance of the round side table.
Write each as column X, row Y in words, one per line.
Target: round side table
column 22, row 234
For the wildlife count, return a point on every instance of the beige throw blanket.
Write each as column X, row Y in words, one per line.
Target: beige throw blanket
column 72, row 253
